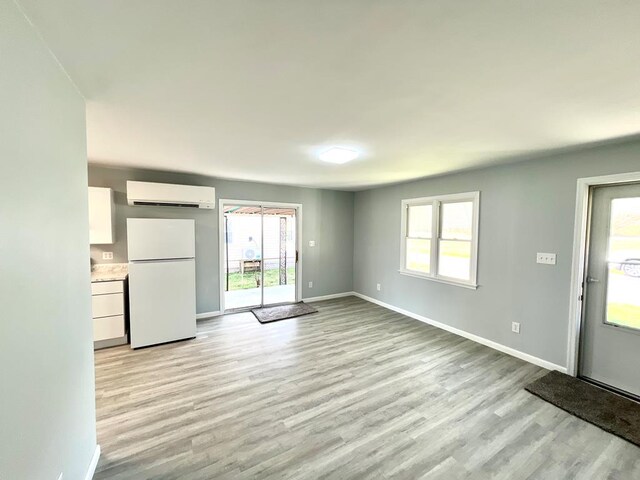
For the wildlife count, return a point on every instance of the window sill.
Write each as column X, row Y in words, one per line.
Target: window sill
column 409, row 273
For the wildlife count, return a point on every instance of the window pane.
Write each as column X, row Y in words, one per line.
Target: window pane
column 454, row 259
column 419, row 221
column 623, row 284
column 418, row 255
column 457, row 220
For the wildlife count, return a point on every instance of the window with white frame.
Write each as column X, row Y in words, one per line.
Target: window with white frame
column 440, row 238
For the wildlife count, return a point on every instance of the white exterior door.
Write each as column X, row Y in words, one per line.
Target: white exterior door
column 610, row 339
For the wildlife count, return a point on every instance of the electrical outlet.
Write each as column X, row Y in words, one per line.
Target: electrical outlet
column 378, row 287
column 107, row 255
column 310, row 284
column 515, row 327
column 546, row 258
column 312, row 243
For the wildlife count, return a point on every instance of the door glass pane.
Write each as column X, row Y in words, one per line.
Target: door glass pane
column 242, row 256
column 623, row 283
column 279, row 255
column 454, row 259
column 419, row 221
column 457, row 220
column 418, row 255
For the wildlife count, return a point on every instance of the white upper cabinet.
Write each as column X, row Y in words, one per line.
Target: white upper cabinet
column 101, row 216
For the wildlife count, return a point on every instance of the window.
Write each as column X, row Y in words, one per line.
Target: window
column 440, row 238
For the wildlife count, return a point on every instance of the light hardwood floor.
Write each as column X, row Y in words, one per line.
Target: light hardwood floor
column 354, row 391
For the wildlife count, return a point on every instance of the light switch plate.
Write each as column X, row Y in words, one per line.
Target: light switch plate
column 310, row 284
column 515, row 327
column 312, row 243
column 546, row 258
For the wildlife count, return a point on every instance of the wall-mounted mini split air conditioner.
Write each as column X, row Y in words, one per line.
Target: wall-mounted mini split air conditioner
column 170, row 195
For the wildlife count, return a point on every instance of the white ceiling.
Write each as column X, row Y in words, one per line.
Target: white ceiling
column 250, row 89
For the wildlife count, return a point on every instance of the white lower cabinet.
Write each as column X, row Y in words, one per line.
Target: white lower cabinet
column 109, row 307
column 105, row 328
column 102, row 288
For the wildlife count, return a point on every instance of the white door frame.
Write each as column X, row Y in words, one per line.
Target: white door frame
column 256, row 203
column 580, row 235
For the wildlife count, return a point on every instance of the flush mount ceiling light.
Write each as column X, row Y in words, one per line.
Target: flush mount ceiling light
column 338, row 155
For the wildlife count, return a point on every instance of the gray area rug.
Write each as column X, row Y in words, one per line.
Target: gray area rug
column 282, row 312
column 612, row 413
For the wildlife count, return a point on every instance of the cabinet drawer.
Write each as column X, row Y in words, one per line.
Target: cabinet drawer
column 101, row 288
column 107, row 305
column 108, row 327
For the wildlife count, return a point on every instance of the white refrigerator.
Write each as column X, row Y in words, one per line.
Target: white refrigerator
column 162, row 280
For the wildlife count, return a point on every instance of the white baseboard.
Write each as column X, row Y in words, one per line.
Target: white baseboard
column 329, row 297
column 489, row 343
column 94, row 464
column 203, row 315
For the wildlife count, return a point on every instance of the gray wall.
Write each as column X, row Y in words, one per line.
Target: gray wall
column 47, row 402
column 327, row 218
column 524, row 208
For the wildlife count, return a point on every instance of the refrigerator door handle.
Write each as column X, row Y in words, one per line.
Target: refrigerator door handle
column 161, row 260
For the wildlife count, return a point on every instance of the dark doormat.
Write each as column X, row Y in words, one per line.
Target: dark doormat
column 281, row 312
column 612, row 413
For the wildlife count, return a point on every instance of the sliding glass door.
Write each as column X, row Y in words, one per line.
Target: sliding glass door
column 259, row 256
column 279, row 229
column 243, row 256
